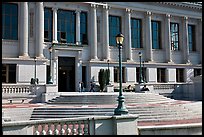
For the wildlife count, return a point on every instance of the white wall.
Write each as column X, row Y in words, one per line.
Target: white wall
column 171, row 75
column 151, row 75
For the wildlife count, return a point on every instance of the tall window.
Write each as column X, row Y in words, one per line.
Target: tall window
column 197, row 72
column 83, row 28
column 114, row 29
column 66, row 26
column 9, row 21
column 8, row 73
column 117, row 73
column 156, row 38
column 136, row 30
column 48, row 24
column 174, row 36
column 161, row 77
column 179, row 75
column 191, row 38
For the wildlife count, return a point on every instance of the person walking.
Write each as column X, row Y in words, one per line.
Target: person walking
column 82, row 86
column 79, row 87
column 92, row 87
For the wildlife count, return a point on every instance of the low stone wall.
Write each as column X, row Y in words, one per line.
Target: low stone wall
column 182, row 129
column 97, row 125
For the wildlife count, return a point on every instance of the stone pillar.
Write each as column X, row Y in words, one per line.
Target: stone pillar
column 93, row 32
column 185, row 40
column 54, row 25
column 39, row 29
column 168, row 38
column 24, row 29
column 106, row 32
column 148, row 48
column 78, row 40
column 128, row 42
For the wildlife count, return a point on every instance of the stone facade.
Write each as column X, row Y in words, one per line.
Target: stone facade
column 94, row 56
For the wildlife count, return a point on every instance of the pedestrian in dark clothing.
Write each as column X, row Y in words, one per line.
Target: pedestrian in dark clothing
column 144, row 88
column 92, row 87
column 82, row 86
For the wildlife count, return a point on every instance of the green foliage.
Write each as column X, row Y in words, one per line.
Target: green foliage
column 104, row 78
column 101, row 78
column 107, row 76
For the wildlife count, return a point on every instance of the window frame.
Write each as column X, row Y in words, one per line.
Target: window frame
column 136, row 30
column 49, row 20
column 191, row 36
column 161, row 77
column 179, row 74
column 66, row 22
column 84, row 35
column 174, row 35
column 157, row 38
column 112, row 40
column 12, row 29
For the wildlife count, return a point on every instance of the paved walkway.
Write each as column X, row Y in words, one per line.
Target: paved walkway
column 170, row 122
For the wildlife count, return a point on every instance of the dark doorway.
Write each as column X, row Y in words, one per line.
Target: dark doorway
column 66, row 74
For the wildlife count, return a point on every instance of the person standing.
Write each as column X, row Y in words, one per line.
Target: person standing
column 82, row 86
column 79, row 87
column 92, row 87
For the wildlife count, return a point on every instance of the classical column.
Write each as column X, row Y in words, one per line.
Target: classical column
column 128, row 41
column 78, row 40
column 106, row 32
column 54, row 25
column 148, row 40
column 24, row 29
column 93, row 32
column 185, row 40
column 39, row 29
column 168, row 38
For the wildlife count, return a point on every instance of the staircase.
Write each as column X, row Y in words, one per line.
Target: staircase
column 130, row 98
column 149, row 106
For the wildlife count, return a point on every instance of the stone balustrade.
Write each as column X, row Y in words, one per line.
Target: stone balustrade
column 97, row 125
column 14, row 88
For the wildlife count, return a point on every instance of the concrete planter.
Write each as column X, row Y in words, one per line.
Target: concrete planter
column 109, row 88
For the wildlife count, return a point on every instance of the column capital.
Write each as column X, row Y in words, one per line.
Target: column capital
column 106, row 7
column 128, row 10
column 78, row 11
column 185, row 18
column 168, row 15
column 54, row 8
column 94, row 5
column 148, row 13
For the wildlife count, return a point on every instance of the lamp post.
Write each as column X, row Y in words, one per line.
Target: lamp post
column 108, row 61
column 121, row 109
column 50, row 77
column 34, row 80
column 143, row 72
column 108, row 83
column 140, row 72
column 35, row 59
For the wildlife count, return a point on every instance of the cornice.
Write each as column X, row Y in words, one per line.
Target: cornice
column 192, row 5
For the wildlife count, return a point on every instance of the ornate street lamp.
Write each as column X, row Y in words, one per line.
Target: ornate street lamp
column 50, row 77
column 108, row 83
column 108, row 61
column 140, row 73
column 121, row 109
column 143, row 72
column 34, row 80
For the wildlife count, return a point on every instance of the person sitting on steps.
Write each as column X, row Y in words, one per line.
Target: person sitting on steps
column 144, row 88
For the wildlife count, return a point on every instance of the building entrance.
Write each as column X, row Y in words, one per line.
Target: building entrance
column 66, row 74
